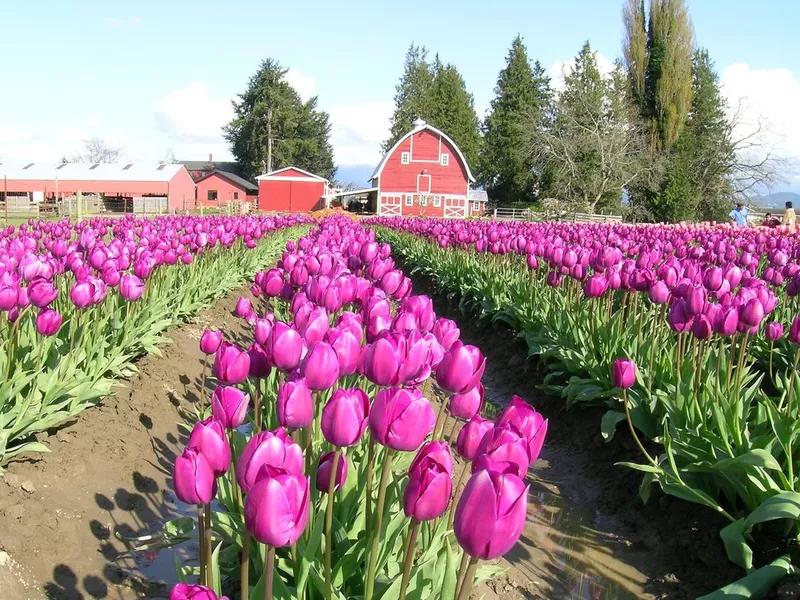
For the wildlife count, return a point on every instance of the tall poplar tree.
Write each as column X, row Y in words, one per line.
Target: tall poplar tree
column 522, row 97
column 412, row 94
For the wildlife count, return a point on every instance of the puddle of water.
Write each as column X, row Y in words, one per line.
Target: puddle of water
column 561, row 547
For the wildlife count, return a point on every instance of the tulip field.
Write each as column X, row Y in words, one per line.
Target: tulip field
column 689, row 336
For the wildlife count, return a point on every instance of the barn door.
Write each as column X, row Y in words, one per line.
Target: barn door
column 455, row 208
column 423, row 184
column 390, row 206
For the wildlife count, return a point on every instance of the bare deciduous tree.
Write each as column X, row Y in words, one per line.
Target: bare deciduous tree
column 95, row 150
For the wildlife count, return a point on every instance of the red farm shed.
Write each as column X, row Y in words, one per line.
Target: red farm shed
column 122, row 186
column 218, row 188
column 424, row 173
column 292, row 190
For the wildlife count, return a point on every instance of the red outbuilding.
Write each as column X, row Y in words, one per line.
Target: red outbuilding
column 425, row 173
column 218, row 188
column 292, row 190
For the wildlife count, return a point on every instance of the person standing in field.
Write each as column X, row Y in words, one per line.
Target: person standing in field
column 789, row 218
column 738, row 216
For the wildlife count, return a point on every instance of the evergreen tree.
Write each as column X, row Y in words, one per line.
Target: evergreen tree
column 522, row 96
column 412, row 96
column 271, row 108
column 452, row 110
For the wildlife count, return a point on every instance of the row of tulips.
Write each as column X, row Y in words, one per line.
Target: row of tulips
column 707, row 313
column 334, row 389
column 80, row 301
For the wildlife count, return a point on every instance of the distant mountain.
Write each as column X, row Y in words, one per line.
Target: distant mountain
column 778, row 200
column 358, row 175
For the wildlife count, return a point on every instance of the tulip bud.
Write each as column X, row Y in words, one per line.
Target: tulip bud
column 324, row 469
column 774, row 331
column 491, row 514
column 320, row 367
column 401, row 418
column 261, row 330
column 344, row 417
column 229, row 406
column 502, row 449
column 430, row 484
column 193, row 478
column 523, row 419
column 277, row 507
column 446, row 332
column 48, row 322
column 294, row 404
column 470, row 436
column 209, row 438
column 285, row 347
column 461, row 368
column 210, row 341
column 726, row 320
column 624, row 373
column 186, row 591
column 467, row 405
column 659, row 292
column 42, row 292
column 131, row 287
column 231, row 364
column 347, row 348
column 752, row 313
column 260, row 365
column 794, row 331
column 243, row 307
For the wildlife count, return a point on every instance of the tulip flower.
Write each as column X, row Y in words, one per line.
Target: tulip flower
column 461, row 368
column 491, row 514
column 752, row 313
column 231, row 364
column 261, row 330
column 131, row 287
column 193, row 478
column 320, row 367
column 186, row 591
column 467, row 405
column 260, row 365
column 48, row 322
column 277, row 507
column 344, row 417
column 294, row 405
column 430, row 484
column 794, row 331
column 774, row 331
column 41, row 292
column 624, row 373
column 324, row 469
column 401, row 418
column 285, row 347
column 243, row 307
column 471, row 435
column 210, row 341
column 502, row 449
column 229, row 406
column 82, row 294
column 209, row 438
column 347, row 348
column 446, row 332
column 273, row 448
column 522, row 418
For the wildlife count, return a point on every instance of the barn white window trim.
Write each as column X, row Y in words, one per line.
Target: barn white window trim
column 423, row 200
column 476, row 206
column 437, row 201
column 405, row 158
column 409, row 200
column 445, row 159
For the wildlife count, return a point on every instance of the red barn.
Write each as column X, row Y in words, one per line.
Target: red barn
column 424, row 173
column 218, row 188
column 292, row 190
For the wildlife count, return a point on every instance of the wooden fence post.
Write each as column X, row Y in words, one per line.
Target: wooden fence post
column 79, row 200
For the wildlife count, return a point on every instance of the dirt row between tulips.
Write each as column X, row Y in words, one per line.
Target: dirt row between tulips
column 110, row 472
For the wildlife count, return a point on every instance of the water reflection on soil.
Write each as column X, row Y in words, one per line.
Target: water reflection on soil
column 560, row 549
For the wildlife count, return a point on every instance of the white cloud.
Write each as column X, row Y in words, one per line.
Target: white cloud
column 304, row 84
column 113, row 22
column 769, row 97
column 191, row 114
column 357, row 131
column 560, row 69
column 135, row 21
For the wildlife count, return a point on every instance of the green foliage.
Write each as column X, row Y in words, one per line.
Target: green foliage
column 522, row 96
column 412, row 95
column 300, row 132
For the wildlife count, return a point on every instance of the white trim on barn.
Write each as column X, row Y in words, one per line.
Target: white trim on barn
column 275, row 175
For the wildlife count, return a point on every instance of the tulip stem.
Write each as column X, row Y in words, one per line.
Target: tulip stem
column 368, row 484
column 378, row 522
column 409, row 558
column 245, row 565
column 203, row 387
column 329, row 522
column 236, row 493
column 452, row 432
column 257, row 407
column 469, row 576
column 439, row 421
column 452, row 511
column 270, row 572
column 790, row 420
column 308, row 453
column 462, row 569
column 201, row 540
column 209, row 551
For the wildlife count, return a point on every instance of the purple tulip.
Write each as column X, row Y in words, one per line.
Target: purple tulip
column 320, row 367
column 273, row 448
column 471, row 435
column 401, row 418
column 461, row 368
column 595, row 286
column 131, row 287
column 347, row 348
column 48, row 322
column 262, row 329
column 794, row 331
column 243, row 307
column 624, row 373
column 446, row 332
column 41, row 292
column 659, row 292
column 324, row 469
column 186, row 591
column 526, row 421
column 260, row 365
column 8, row 297
column 752, row 313
column 467, row 405
column 82, row 294
column 210, row 341
column 294, row 404
column 229, row 406
column 285, row 346
column 209, row 438
column 344, row 417
column 491, row 514
column 774, row 331
column 277, row 507
column 231, row 364
column 430, row 483
column 502, row 449
column 725, row 321
column 193, row 478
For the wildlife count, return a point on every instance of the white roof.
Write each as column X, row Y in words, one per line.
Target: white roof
column 277, row 174
column 420, row 125
column 96, row 172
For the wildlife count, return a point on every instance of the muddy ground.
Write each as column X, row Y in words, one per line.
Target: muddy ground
column 588, row 535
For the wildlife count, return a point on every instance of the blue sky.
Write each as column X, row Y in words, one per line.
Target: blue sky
column 151, row 76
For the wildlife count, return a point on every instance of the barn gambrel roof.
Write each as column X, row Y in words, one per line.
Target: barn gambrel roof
column 420, row 125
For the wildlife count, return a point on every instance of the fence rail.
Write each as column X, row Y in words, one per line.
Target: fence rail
column 525, row 214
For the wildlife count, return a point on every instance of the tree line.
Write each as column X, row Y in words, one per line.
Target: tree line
column 652, row 138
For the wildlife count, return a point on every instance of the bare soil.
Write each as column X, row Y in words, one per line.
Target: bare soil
column 109, row 475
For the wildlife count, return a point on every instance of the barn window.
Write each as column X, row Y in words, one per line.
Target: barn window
column 409, row 200
column 212, row 195
column 235, row 195
column 437, row 201
column 445, row 159
column 423, row 201
column 476, row 206
column 405, row 158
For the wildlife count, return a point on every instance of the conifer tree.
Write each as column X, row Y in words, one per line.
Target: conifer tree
column 412, row 96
